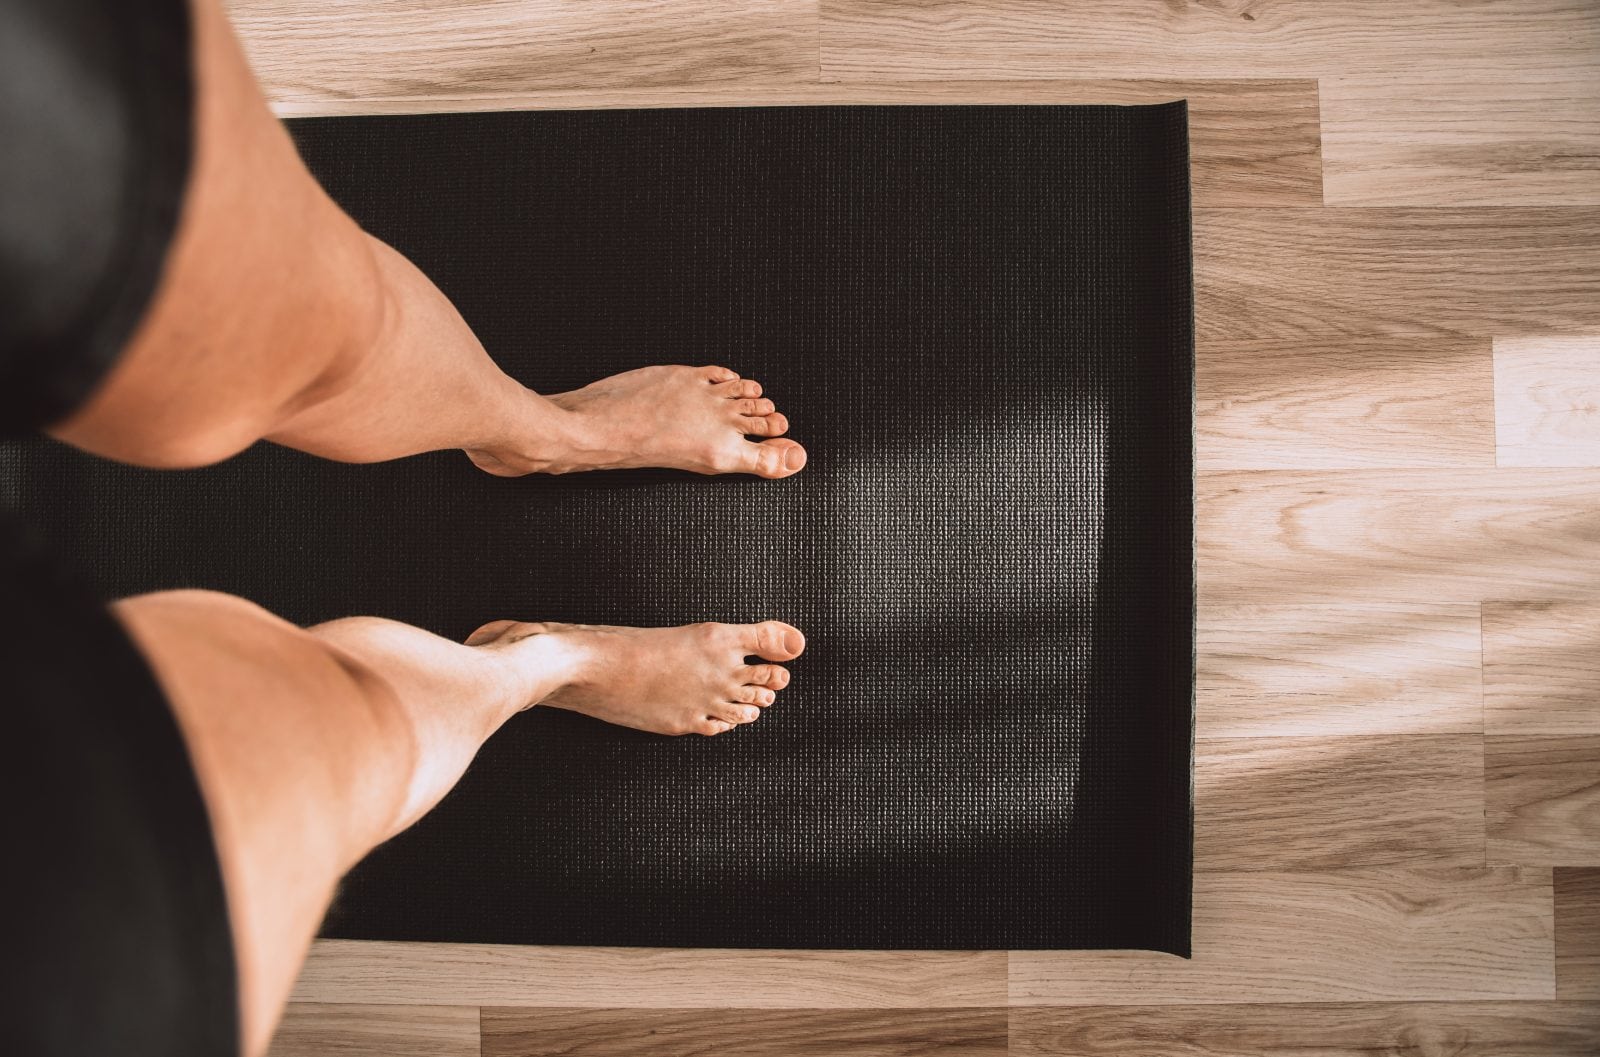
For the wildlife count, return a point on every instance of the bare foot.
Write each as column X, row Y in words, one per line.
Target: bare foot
column 681, row 418
column 684, row 680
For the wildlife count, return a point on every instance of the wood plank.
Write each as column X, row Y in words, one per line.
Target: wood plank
column 312, row 1030
column 1292, row 274
column 1381, row 934
column 1458, row 138
column 1401, row 535
column 350, row 49
column 1577, row 896
column 647, row 977
column 1332, row 803
column 743, row 1032
column 1344, row 404
column 1547, row 400
column 1542, row 799
column 1250, row 142
column 1304, row 670
column 1216, row 38
column 1341, row 1029
column 1541, row 668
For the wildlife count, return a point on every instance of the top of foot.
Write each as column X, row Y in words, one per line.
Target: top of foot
column 694, row 679
column 683, row 418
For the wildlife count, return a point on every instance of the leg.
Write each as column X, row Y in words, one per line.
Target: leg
column 278, row 317
column 314, row 745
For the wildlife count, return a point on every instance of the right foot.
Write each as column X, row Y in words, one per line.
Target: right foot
column 685, row 680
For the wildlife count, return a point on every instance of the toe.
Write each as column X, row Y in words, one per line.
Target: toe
column 737, row 388
column 773, row 425
column 733, row 712
column 770, row 676
column 719, row 374
column 773, row 640
column 752, row 695
column 710, row 726
column 774, row 458
column 754, row 408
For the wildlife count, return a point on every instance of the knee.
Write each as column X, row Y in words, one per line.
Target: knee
column 205, row 446
column 213, row 373
column 159, row 432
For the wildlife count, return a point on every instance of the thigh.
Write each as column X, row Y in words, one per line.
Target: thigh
column 301, row 761
column 268, row 292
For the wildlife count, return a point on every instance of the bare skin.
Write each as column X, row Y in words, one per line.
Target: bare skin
column 685, row 680
column 683, row 418
column 314, row 745
column 278, row 318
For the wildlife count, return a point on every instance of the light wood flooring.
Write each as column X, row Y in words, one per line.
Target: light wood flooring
column 1397, row 238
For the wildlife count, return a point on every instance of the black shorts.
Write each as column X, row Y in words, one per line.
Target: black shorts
column 96, row 130
column 114, row 935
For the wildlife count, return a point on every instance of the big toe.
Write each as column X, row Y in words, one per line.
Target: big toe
column 774, row 458
column 773, row 640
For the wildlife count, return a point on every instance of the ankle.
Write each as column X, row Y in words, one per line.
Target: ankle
column 542, row 436
column 538, row 660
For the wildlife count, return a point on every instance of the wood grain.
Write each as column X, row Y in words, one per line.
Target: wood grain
column 1307, row 670
column 1293, row 274
column 1204, row 38
column 352, row 49
column 743, row 1032
column 1458, row 138
column 1341, row 1029
column 1250, row 142
column 1542, row 799
column 1398, row 536
column 648, row 977
column 1351, row 520
column 1344, row 404
column 1547, row 401
column 313, row 1030
column 1577, row 902
column 1541, row 668
column 1309, row 803
column 1381, row 934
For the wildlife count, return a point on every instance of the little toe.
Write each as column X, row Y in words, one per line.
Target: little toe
column 719, row 375
column 774, row 458
column 772, row 640
column 734, row 712
column 710, row 726
column 773, row 425
column 771, row 676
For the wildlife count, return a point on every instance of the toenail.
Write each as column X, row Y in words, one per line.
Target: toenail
column 794, row 458
column 792, row 640
column 766, row 697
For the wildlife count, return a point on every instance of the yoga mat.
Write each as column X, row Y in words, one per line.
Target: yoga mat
column 978, row 320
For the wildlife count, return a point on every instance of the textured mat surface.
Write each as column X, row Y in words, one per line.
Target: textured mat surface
column 978, row 321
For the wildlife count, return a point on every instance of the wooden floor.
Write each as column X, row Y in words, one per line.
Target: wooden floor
column 1397, row 234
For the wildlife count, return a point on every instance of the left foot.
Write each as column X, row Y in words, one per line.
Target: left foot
column 685, row 680
column 680, row 418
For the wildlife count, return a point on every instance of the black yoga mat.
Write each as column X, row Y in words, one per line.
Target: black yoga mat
column 978, row 320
